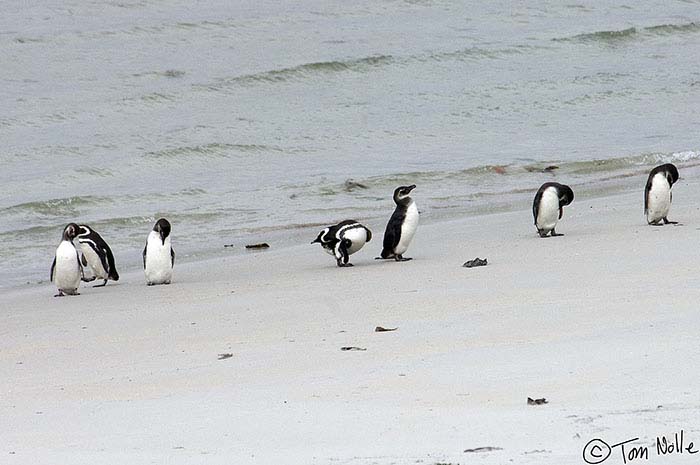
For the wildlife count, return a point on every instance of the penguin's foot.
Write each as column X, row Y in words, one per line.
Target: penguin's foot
column 87, row 280
column 149, row 284
column 666, row 221
column 556, row 234
column 60, row 294
column 401, row 258
column 100, row 285
column 343, row 265
column 384, row 258
column 542, row 232
column 656, row 224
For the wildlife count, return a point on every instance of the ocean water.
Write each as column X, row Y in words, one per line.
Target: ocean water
column 243, row 121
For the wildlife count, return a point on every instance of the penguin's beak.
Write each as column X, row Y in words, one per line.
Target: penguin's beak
column 162, row 235
column 411, row 187
column 315, row 241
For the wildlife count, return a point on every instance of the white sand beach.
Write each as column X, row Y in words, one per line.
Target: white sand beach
column 601, row 322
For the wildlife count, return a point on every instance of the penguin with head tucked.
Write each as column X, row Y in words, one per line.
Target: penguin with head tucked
column 548, row 206
column 657, row 194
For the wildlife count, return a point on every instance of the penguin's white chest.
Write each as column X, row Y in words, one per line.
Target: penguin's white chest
column 659, row 200
column 93, row 261
column 408, row 229
column 67, row 270
column 548, row 211
column 357, row 237
column 159, row 268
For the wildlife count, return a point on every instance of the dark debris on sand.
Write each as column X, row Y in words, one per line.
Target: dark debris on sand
column 260, row 246
column 482, row 449
column 476, row 262
column 381, row 329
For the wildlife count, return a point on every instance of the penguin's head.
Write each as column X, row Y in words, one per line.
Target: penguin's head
column 70, row 232
column 671, row 173
column 566, row 195
column 162, row 227
column 402, row 194
column 320, row 237
column 84, row 231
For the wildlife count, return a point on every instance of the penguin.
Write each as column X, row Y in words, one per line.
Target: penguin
column 401, row 226
column 657, row 194
column 66, row 271
column 548, row 207
column 343, row 240
column 98, row 255
column 158, row 255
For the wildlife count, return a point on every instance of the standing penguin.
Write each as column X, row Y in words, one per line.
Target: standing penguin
column 657, row 194
column 97, row 254
column 548, row 207
column 343, row 240
column 158, row 255
column 66, row 271
column 401, row 226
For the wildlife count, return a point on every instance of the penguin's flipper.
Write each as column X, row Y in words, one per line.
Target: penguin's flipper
column 392, row 234
column 172, row 257
column 113, row 275
column 83, row 260
column 536, row 204
column 647, row 189
column 144, row 255
column 369, row 234
column 103, row 259
column 343, row 248
column 80, row 265
column 561, row 212
column 53, row 268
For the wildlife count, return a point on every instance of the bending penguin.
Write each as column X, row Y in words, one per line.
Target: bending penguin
column 401, row 226
column 66, row 270
column 657, row 194
column 548, row 207
column 158, row 255
column 98, row 255
column 343, row 240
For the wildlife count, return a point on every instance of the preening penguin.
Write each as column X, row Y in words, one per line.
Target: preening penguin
column 66, row 270
column 158, row 255
column 548, row 207
column 343, row 240
column 97, row 254
column 657, row 194
column 401, row 226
